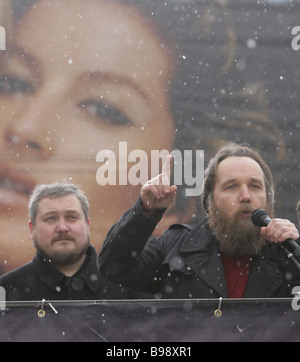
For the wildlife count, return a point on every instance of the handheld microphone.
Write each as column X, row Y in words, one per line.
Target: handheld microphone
column 260, row 218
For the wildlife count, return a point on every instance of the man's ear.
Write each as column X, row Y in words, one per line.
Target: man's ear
column 31, row 227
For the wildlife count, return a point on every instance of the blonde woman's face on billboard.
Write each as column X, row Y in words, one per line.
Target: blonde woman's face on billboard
column 80, row 77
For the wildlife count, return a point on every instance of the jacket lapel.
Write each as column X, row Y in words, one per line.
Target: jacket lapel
column 264, row 277
column 201, row 254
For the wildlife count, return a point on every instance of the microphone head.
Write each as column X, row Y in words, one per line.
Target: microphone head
column 260, row 217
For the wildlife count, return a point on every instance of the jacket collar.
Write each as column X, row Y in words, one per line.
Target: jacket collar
column 193, row 243
column 52, row 277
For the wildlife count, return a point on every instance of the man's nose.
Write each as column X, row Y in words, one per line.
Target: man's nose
column 245, row 195
column 62, row 227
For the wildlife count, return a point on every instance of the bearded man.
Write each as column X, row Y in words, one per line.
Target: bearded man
column 225, row 255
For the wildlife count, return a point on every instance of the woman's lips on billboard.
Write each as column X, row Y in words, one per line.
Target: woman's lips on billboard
column 15, row 186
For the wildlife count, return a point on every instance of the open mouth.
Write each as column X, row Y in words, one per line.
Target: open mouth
column 246, row 213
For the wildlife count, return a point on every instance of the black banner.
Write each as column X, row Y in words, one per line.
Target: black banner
column 180, row 321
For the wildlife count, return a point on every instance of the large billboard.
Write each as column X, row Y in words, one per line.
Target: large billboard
column 80, row 79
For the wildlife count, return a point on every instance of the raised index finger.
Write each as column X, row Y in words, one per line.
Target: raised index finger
column 166, row 170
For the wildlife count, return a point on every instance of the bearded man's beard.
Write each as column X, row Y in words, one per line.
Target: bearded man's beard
column 236, row 236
